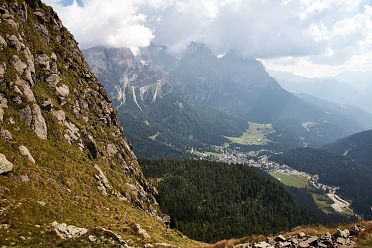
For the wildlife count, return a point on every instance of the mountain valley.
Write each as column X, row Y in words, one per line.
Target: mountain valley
column 171, row 109
column 117, row 147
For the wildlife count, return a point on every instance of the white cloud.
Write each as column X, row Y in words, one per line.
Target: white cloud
column 113, row 23
column 303, row 36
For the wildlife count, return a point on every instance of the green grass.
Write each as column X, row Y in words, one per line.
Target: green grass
column 256, row 134
column 64, row 177
column 291, row 180
column 323, row 202
column 206, row 154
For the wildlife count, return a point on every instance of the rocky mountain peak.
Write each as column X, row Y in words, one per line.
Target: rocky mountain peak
column 198, row 50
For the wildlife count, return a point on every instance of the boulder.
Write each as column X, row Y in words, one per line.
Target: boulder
column 6, row 135
column 303, row 244
column 3, row 101
column 43, row 61
column 356, row 230
column 280, row 238
column 142, row 232
column 53, row 80
column 18, row 65
column 60, row 115
column 284, row 244
column 341, row 233
column 65, row 231
column 47, row 105
column 262, row 244
column 63, row 91
column 92, row 238
column 301, row 235
column 29, row 59
column 15, row 43
column 25, row 152
column 112, row 149
column 26, row 115
column 13, row 24
column 294, row 241
column 39, row 124
column 3, row 43
column 111, row 234
column 312, row 241
column 90, row 144
column 103, row 183
column 5, row 165
column 341, row 241
column 25, row 89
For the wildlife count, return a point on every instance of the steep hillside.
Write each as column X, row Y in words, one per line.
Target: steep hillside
column 63, row 157
column 357, row 146
column 354, row 180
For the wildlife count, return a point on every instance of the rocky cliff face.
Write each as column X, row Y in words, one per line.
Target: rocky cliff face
column 63, row 155
column 130, row 80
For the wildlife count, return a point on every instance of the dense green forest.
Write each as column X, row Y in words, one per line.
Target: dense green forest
column 354, row 179
column 210, row 201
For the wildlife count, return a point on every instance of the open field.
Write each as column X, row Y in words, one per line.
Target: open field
column 324, row 202
column 254, row 135
column 206, row 154
column 291, row 180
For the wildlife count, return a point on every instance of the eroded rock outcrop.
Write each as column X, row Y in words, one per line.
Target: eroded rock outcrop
column 65, row 231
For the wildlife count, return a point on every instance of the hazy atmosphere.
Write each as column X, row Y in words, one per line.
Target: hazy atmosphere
column 313, row 38
column 186, row 123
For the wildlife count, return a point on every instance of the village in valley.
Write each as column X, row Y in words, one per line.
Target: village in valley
column 261, row 159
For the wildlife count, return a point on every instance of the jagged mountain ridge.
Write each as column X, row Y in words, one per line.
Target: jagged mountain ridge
column 231, row 89
column 155, row 114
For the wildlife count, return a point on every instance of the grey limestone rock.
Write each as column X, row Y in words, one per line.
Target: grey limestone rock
column 5, row 165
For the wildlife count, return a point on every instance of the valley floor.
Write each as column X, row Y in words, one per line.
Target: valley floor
column 325, row 197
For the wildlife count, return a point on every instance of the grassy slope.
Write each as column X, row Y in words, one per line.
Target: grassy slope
column 254, row 135
column 291, row 180
column 63, row 177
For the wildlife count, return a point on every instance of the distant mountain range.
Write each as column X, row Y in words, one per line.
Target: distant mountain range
column 172, row 106
column 337, row 89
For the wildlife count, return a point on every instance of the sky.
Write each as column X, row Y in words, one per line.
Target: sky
column 312, row 38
